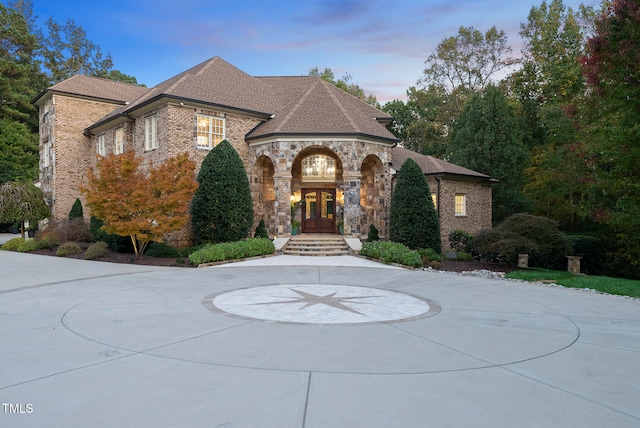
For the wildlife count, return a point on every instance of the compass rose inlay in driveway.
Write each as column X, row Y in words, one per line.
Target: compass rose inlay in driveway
column 321, row 304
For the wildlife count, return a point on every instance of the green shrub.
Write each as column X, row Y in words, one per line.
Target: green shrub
column 232, row 250
column 373, row 234
column 464, row 257
column 117, row 243
column 76, row 210
column 161, row 249
column 391, row 252
column 413, row 218
column 35, row 244
column 460, row 240
column 68, row 249
column 222, row 208
column 261, row 231
column 429, row 255
column 13, row 244
column 524, row 234
column 95, row 250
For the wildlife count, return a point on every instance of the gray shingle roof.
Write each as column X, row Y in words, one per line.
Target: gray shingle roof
column 431, row 165
column 309, row 105
column 216, row 82
column 98, row 88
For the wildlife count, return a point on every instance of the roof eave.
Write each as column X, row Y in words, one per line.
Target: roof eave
column 201, row 102
column 322, row 134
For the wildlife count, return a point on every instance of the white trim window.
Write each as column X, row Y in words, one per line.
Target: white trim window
column 210, row 131
column 119, row 141
column 101, row 146
column 151, row 132
column 46, row 155
column 461, row 205
column 434, row 198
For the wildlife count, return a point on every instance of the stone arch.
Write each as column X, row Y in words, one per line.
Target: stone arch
column 373, row 194
column 263, row 193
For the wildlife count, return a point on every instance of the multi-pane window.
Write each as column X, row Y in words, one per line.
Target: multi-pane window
column 434, row 198
column 151, row 132
column 461, row 205
column 210, row 131
column 101, row 147
column 119, row 141
column 46, row 156
column 318, row 168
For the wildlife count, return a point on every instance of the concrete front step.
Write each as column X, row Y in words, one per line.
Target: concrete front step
column 316, row 245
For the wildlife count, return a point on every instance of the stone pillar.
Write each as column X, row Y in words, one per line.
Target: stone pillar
column 352, row 210
column 282, row 204
column 523, row 260
column 573, row 264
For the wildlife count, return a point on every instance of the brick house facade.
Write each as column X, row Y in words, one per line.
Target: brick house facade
column 302, row 141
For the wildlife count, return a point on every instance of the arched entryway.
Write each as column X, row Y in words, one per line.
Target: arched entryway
column 316, row 180
column 372, row 194
column 263, row 193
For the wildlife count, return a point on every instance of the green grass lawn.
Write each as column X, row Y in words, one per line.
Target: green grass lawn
column 623, row 287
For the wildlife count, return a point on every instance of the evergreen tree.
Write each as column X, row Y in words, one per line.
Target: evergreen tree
column 261, row 231
column 76, row 210
column 487, row 138
column 414, row 221
column 222, row 209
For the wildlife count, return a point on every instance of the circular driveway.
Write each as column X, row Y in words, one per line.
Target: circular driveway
column 305, row 342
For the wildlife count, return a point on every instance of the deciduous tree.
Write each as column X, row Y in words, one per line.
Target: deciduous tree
column 142, row 205
column 20, row 202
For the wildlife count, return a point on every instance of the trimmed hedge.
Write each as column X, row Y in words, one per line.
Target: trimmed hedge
column 232, row 250
column 68, row 249
column 25, row 246
column 95, row 250
column 391, row 252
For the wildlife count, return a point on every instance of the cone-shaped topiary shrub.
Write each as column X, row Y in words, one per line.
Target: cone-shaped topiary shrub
column 373, row 234
column 261, row 231
column 222, row 209
column 414, row 221
column 76, row 210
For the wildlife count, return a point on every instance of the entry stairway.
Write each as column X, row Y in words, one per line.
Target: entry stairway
column 316, row 245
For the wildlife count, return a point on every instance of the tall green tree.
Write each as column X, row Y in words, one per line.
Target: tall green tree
column 611, row 132
column 413, row 218
column 467, row 63
column 345, row 83
column 18, row 68
column 18, row 152
column 487, row 138
column 222, row 208
column 422, row 122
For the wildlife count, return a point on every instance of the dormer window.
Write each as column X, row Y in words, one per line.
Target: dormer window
column 318, row 168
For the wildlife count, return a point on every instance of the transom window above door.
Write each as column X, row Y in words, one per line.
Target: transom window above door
column 319, row 168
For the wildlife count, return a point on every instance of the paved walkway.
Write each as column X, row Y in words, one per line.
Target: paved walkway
column 282, row 342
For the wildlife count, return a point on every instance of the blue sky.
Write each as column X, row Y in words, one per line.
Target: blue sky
column 382, row 44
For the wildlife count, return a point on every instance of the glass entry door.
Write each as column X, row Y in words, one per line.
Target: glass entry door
column 319, row 211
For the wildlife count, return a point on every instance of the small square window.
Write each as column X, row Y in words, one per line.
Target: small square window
column 461, row 205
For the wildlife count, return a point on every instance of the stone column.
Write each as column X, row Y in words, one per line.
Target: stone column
column 573, row 264
column 352, row 210
column 282, row 204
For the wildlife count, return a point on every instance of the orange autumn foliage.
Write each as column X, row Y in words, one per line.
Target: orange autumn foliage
column 142, row 205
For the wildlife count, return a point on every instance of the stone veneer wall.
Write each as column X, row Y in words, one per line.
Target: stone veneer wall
column 478, row 212
column 351, row 155
column 72, row 152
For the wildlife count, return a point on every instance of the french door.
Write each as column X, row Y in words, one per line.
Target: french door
column 319, row 211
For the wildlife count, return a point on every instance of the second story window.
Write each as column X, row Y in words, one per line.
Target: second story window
column 151, row 132
column 119, row 141
column 210, row 131
column 101, row 148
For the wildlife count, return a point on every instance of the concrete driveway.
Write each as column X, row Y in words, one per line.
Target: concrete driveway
column 304, row 343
